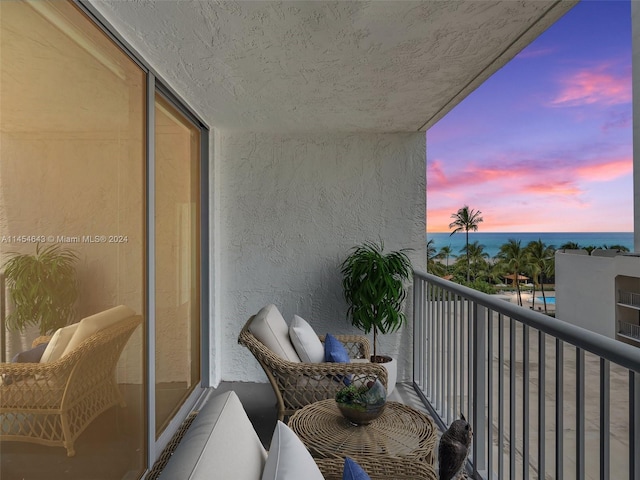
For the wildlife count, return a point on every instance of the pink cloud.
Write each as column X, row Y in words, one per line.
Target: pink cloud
column 507, row 176
column 489, row 174
column 562, row 188
column 435, row 175
column 606, row 171
column 511, row 217
column 518, row 191
column 594, row 86
column 496, row 180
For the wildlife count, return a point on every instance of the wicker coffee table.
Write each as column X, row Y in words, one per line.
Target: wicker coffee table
column 400, row 431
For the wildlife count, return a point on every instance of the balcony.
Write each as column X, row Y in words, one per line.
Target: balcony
column 630, row 331
column 546, row 399
column 628, row 310
column 629, row 299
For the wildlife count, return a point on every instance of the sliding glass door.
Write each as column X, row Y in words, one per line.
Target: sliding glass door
column 72, row 177
column 97, row 167
column 177, row 277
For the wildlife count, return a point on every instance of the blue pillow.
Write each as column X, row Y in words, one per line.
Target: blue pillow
column 334, row 351
column 353, row 471
column 29, row 356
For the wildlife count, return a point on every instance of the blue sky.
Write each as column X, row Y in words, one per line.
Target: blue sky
column 545, row 145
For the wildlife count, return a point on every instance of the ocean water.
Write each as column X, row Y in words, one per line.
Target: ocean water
column 493, row 240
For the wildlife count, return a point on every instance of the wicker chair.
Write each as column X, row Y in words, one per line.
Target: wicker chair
column 385, row 468
column 52, row 403
column 299, row 384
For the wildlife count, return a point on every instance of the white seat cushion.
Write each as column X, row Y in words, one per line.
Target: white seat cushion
column 90, row 325
column 58, row 343
column 306, row 342
column 288, row 458
column 221, row 443
column 270, row 329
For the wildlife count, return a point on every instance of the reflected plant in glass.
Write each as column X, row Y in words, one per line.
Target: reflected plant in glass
column 43, row 288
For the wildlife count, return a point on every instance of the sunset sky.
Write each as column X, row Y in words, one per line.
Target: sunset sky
column 545, row 145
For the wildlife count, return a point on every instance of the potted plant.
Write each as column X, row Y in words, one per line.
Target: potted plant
column 43, row 288
column 373, row 284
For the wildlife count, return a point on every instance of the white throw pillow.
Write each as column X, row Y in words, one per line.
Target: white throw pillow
column 58, row 343
column 269, row 327
column 288, row 458
column 306, row 342
column 90, row 325
column 221, row 443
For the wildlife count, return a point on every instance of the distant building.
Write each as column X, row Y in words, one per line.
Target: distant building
column 600, row 292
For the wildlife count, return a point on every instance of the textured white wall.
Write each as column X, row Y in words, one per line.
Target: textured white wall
column 585, row 292
column 289, row 208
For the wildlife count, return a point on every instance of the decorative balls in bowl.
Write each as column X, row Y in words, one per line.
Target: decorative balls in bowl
column 362, row 401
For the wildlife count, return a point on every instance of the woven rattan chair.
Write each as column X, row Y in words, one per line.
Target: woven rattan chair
column 383, row 468
column 52, row 403
column 298, row 384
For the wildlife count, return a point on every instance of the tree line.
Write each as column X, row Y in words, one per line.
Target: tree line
column 473, row 267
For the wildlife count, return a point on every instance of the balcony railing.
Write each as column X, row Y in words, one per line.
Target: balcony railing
column 629, row 330
column 546, row 399
column 630, row 299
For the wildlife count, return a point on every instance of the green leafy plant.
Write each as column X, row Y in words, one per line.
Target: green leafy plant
column 351, row 394
column 43, row 288
column 360, row 396
column 373, row 286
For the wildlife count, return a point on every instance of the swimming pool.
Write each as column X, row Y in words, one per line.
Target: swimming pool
column 550, row 300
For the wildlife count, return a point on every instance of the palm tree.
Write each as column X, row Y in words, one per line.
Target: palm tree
column 476, row 256
column 431, row 249
column 515, row 259
column 466, row 219
column 620, row 248
column 496, row 272
column 540, row 257
column 570, row 246
column 533, row 271
column 445, row 252
column 433, row 266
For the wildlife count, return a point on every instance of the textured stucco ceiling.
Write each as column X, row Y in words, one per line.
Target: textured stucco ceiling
column 380, row 66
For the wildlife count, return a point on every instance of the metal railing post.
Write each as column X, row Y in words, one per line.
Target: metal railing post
column 420, row 337
column 479, row 450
